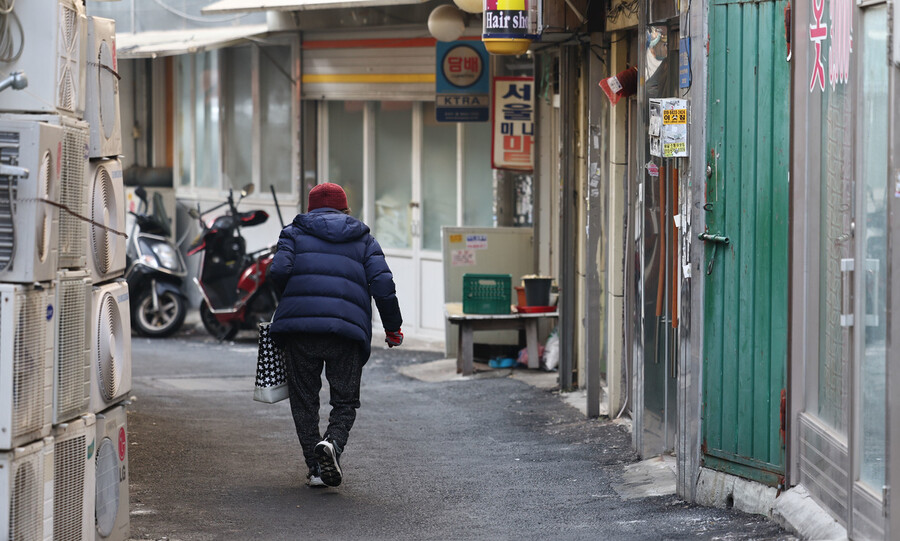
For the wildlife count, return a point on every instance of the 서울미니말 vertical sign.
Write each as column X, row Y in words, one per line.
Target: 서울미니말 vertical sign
column 512, row 113
column 462, row 82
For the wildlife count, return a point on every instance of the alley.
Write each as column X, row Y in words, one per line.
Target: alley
column 466, row 459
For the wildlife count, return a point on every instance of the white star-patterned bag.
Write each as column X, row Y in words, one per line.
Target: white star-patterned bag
column 271, row 383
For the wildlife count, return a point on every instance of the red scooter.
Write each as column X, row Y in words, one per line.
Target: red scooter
column 236, row 294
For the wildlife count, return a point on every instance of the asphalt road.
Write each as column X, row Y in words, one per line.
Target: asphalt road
column 491, row 459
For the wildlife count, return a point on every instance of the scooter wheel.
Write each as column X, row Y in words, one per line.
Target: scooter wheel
column 214, row 326
column 163, row 321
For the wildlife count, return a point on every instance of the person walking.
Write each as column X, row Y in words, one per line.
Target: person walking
column 327, row 269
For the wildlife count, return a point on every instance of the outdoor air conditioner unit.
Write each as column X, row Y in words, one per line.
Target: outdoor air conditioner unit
column 71, row 348
column 106, row 205
column 111, row 514
column 110, row 345
column 102, row 101
column 26, row 491
column 29, row 189
column 53, row 45
column 74, row 479
column 26, row 381
column 73, row 174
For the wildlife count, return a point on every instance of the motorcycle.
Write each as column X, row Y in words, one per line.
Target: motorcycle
column 155, row 271
column 236, row 294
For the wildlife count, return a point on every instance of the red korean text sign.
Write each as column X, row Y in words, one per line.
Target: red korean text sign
column 512, row 117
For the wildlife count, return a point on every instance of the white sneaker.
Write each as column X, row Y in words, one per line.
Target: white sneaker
column 314, row 477
column 329, row 466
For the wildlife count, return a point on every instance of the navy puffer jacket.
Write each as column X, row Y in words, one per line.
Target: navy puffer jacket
column 327, row 270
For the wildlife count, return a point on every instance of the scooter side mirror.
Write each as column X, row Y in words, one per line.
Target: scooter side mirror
column 247, row 189
column 141, row 193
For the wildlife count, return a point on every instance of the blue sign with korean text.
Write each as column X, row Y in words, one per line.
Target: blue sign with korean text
column 684, row 63
column 462, row 82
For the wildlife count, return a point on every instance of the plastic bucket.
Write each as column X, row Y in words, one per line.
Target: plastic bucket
column 521, row 300
column 537, row 291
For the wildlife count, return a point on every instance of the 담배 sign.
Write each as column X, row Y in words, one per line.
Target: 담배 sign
column 462, row 82
column 668, row 128
column 512, row 113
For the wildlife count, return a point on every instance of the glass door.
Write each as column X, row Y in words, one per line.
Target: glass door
column 870, row 263
column 407, row 176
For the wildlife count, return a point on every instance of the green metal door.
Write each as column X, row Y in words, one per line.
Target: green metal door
column 746, row 279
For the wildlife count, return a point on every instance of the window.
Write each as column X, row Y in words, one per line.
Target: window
column 345, row 150
column 236, row 118
column 238, row 101
column 438, row 178
column 393, row 171
column 276, row 115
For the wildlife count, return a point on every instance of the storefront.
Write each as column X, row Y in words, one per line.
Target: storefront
column 841, row 265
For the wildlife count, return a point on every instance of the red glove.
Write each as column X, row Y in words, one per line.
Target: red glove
column 393, row 338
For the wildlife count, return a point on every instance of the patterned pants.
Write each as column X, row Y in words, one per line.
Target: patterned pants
column 305, row 354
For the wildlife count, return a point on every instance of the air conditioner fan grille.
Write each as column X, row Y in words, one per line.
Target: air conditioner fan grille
column 103, row 211
column 71, row 194
column 107, row 500
column 25, row 517
column 46, row 223
column 69, row 43
column 72, row 392
column 68, row 487
column 109, row 343
column 29, row 360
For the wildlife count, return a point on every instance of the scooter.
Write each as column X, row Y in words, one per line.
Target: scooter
column 155, row 271
column 236, row 294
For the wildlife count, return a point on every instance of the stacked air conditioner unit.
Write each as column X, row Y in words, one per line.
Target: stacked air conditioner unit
column 26, row 379
column 74, row 479
column 53, row 58
column 110, row 345
column 30, row 154
column 26, row 491
column 71, row 348
column 102, row 102
column 65, row 328
column 73, row 180
column 106, row 193
column 111, row 512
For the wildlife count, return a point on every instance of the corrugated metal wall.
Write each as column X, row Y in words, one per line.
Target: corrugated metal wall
column 746, row 281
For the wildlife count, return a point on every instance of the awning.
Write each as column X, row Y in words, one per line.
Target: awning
column 240, row 6
column 173, row 42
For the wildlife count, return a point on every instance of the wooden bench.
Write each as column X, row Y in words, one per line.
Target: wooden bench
column 469, row 323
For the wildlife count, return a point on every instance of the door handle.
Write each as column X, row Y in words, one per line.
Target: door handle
column 848, row 265
column 714, row 237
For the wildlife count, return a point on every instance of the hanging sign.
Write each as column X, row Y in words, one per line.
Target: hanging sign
column 684, row 63
column 512, row 114
column 462, row 84
column 508, row 27
column 668, row 128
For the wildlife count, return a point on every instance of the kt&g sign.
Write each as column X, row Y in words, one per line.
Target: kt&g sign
column 512, row 114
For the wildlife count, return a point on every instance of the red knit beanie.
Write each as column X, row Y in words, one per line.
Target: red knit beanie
column 327, row 195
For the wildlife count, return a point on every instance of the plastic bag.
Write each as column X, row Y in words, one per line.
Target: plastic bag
column 550, row 358
column 522, row 359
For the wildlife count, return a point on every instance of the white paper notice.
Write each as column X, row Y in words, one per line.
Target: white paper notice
column 462, row 258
